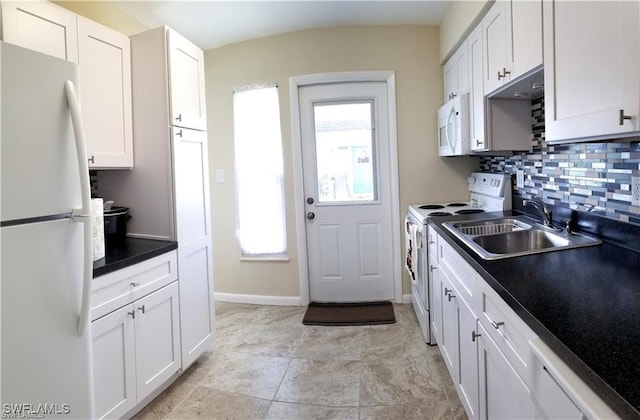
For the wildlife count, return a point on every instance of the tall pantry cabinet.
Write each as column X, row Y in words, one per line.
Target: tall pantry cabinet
column 168, row 191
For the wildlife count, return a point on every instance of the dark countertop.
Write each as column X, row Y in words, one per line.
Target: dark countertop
column 131, row 251
column 583, row 303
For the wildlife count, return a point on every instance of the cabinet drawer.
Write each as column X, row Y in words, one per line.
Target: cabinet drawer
column 114, row 290
column 507, row 330
column 463, row 275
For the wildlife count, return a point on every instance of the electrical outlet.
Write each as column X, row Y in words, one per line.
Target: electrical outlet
column 520, row 178
column 635, row 191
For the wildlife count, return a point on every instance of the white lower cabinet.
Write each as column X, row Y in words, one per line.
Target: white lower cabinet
column 458, row 346
column 136, row 334
column 136, row 349
column 500, row 368
column 504, row 394
column 114, row 364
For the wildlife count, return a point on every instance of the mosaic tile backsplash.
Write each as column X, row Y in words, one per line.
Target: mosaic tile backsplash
column 593, row 177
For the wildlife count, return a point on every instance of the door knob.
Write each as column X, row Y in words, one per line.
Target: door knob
column 310, row 200
column 311, row 215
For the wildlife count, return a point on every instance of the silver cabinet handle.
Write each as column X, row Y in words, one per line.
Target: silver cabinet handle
column 92, row 159
column 623, row 117
column 179, row 117
column 432, row 267
column 450, row 296
column 479, row 143
column 135, row 284
column 179, row 134
column 141, row 308
column 447, row 291
column 504, row 73
column 474, row 335
column 431, row 242
column 496, row 325
column 132, row 314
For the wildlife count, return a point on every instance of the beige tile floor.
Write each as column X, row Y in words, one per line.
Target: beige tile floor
column 267, row 365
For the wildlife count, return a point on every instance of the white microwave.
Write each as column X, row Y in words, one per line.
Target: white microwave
column 453, row 126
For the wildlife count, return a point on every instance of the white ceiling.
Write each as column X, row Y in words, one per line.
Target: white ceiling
column 211, row 24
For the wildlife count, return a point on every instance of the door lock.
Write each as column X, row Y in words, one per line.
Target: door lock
column 310, row 200
column 311, row 215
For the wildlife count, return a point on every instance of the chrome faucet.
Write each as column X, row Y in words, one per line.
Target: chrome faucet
column 542, row 209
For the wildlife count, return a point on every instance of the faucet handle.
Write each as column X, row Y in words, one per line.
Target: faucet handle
column 567, row 227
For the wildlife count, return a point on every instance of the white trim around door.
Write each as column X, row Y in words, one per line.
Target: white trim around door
column 297, row 82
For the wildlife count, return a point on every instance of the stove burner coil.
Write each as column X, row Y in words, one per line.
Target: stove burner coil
column 432, row 206
column 469, row 211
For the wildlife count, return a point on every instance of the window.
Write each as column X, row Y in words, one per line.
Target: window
column 345, row 151
column 260, row 227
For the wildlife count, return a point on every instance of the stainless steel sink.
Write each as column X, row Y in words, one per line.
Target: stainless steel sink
column 515, row 236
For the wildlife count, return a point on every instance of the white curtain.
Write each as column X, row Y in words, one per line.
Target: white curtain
column 260, row 206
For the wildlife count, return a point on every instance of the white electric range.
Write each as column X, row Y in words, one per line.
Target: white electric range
column 488, row 192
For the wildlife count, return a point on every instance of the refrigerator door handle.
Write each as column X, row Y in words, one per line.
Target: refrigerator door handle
column 83, row 214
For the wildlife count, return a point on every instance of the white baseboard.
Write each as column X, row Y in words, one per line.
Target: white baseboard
column 259, row 299
column 406, row 298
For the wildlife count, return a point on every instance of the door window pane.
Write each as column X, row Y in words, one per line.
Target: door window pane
column 345, row 151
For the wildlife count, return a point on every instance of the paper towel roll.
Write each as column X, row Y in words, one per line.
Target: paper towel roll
column 97, row 226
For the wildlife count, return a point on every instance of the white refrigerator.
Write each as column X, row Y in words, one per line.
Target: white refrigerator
column 45, row 241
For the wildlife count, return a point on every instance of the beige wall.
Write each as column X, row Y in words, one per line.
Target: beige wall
column 105, row 14
column 458, row 21
column 410, row 51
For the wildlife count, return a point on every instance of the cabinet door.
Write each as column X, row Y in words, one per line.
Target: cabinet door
column 456, row 73
column 525, row 30
column 449, row 343
column 157, row 339
column 41, row 26
column 436, row 296
column 450, row 76
column 193, row 224
column 186, row 87
column 476, row 91
column 496, row 50
column 592, row 57
column 114, row 366
column 467, row 379
column 503, row 395
column 105, row 76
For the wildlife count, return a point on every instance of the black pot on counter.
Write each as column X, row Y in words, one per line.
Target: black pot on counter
column 115, row 225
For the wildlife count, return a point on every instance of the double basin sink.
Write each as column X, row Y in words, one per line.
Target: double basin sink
column 507, row 237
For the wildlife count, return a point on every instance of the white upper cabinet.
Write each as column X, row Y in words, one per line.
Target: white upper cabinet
column 592, row 69
column 512, row 37
column 104, row 58
column 105, row 76
column 456, row 73
column 494, row 36
column 525, row 33
column 476, row 92
column 186, row 73
column 42, row 27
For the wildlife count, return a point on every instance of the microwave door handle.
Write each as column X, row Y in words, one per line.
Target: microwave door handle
column 83, row 214
column 451, row 114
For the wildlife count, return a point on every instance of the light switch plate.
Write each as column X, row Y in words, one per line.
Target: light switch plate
column 220, row 175
column 635, row 191
column 520, row 178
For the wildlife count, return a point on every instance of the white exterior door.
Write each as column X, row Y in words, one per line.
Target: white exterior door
column 346, row 171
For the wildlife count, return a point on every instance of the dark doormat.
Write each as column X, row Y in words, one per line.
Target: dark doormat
column 341, row 314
